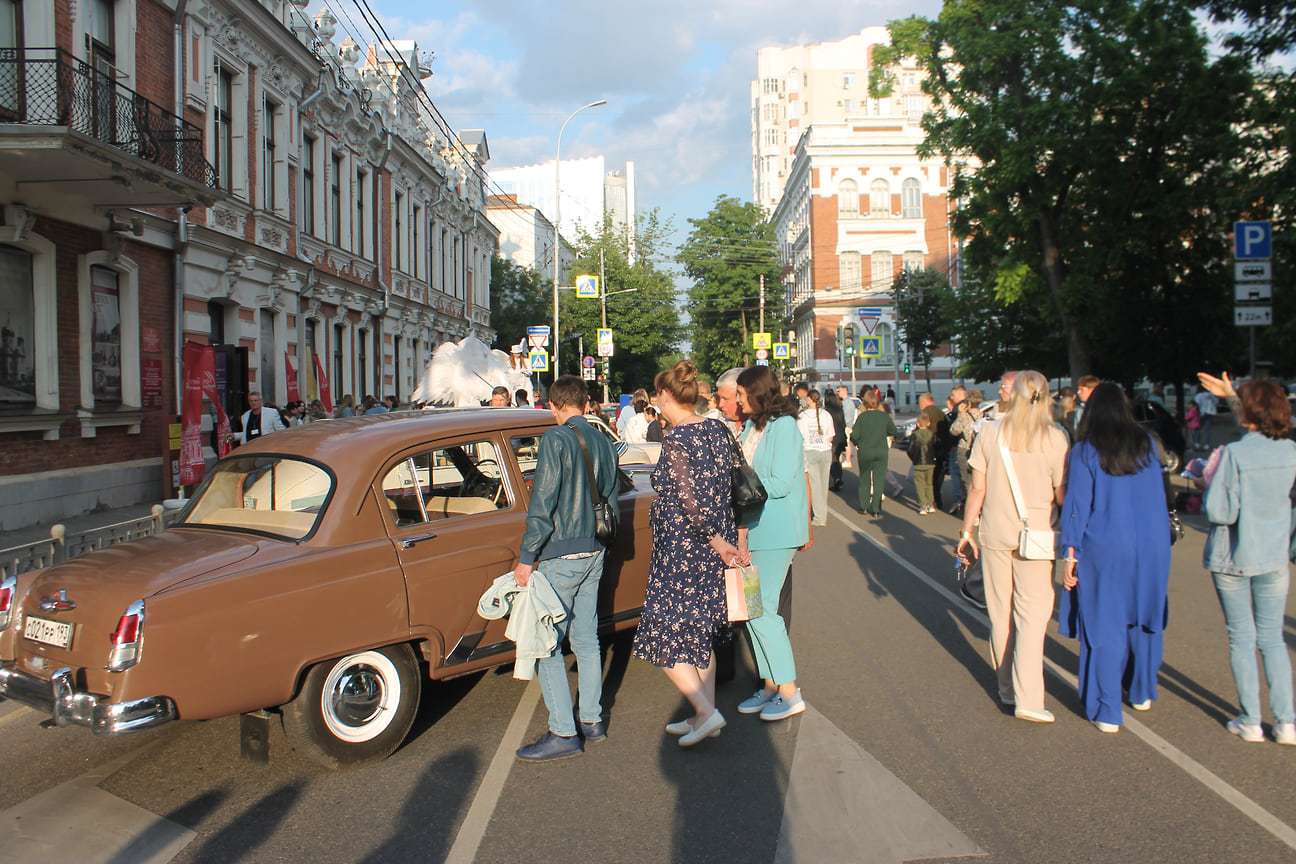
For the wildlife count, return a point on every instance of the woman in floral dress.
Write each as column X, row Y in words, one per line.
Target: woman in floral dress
column 694, row 539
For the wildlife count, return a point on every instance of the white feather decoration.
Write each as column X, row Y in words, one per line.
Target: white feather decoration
column 464, row 374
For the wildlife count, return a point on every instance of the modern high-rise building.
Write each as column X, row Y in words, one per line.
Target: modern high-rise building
column 824, row 82
column 588, row 191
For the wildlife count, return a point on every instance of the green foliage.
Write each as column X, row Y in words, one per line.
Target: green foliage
column 520, row 298
column 923, row 298
column 644, row 320
column 1094, row 181
column 726, row 254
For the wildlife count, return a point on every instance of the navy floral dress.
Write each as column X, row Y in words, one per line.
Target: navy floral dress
column 684, row 613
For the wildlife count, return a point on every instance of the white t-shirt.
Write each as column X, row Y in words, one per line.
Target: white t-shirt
column 810, row 425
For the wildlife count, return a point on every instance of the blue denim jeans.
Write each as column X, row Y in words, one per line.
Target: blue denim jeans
column 576, row 581
column 1254, row 607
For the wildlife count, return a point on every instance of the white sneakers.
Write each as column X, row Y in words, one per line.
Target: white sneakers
column 1040, row 716
column 772, row 706
column 709, row 729
column 1246, row 731
column 1109, row 728
column 1285, row 733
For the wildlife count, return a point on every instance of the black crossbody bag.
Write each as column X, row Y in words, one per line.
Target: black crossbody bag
column 605, row 515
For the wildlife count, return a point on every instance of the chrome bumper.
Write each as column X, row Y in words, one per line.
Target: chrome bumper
column 59, row 698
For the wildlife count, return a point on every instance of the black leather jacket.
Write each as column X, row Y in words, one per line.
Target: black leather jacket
column 560, row 518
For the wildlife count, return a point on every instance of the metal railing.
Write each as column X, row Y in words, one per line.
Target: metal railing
column 63, row 545
column 50, row 87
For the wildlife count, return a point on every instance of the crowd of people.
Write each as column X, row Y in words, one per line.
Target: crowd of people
column 1063, row 488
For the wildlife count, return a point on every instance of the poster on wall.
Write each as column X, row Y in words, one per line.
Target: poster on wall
column 107, row 335
column 17, row 328
column 151, row 384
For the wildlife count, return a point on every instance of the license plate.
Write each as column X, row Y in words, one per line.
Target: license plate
column 56, row 633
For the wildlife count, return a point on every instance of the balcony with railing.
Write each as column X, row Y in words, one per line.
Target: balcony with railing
column 72, row 128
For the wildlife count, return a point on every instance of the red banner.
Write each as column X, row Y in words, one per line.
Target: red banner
column 199, row 381
column 292, row 378
column 323, row 385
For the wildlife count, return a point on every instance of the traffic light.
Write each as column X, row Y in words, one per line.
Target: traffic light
column 849, row 341
column 906, row 369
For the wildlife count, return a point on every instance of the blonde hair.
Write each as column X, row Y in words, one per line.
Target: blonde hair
column 1029, row 422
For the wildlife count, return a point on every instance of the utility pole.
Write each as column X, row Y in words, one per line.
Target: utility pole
column 762, row 304
column 607, row 361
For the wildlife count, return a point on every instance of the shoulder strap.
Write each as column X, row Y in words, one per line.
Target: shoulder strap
column 1012, row 481
column 589, row 463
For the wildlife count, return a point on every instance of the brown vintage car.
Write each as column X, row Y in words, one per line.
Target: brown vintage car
column 320, row 572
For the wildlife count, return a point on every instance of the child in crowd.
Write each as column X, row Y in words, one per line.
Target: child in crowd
column 923, row 455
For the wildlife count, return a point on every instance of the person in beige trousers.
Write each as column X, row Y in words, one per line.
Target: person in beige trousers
column 1019, row 592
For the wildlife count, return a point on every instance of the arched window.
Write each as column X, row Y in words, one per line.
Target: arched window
column 911, row 199
column 882, row 271
column 886, row 337
column 847, row 199
column 880, row 198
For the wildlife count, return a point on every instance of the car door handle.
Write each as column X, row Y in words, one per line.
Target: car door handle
column 408, row 542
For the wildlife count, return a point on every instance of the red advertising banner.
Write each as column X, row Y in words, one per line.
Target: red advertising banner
column 199, row 380
column 292, row 378
column 325, row 396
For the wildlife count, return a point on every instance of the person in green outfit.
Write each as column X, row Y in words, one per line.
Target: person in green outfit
column 871, row 433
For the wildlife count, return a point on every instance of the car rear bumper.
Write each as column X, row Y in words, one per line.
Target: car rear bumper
column 67, row 706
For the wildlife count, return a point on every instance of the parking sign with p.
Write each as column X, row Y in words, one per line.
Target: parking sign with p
column 1252, row 240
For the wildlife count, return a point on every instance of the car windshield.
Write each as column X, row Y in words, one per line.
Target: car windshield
column 266, row 494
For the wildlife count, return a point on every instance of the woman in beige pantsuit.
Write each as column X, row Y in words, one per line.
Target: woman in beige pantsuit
column 1019, row 592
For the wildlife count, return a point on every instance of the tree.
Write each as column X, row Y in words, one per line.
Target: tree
column 922, row 305
column 519, row 299
column 727, row 253
column 644, row 319
column 1080, row 142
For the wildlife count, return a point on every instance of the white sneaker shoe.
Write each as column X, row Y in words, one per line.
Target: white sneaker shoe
column 755, row 703
column 1245, row 731
column 1145, row 705
column 1109, row 728
column 780, row 707
column 1285, row 733
column 679, row 727
column 1035, row 716
column 709, row 729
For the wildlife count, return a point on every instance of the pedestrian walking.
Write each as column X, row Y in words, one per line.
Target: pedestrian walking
column 817, row 431
column 1116, row 538
column 1019, row 591
column 871, row 433
column 1249, row 507
column 695, row 538
column 922, row 453
column 832, row 404
column 1207, row 407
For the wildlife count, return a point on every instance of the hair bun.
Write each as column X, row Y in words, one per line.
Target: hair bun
column 685, row 371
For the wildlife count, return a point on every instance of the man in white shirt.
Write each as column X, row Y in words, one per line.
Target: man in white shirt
column 259, row 419
column 1208, row 406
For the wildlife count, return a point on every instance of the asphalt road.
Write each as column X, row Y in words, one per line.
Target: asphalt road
column 904, row 754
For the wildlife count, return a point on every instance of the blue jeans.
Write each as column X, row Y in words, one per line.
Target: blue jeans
column 1253, row 610
column 576, row 581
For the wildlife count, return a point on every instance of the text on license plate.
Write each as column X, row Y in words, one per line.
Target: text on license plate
column 56, row 633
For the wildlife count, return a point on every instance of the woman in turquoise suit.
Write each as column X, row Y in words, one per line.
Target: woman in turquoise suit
column 1116, row 537
column 774, row 448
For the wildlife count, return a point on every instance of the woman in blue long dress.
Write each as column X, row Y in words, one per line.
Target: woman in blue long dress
column 694, row 540
column 1116, row 533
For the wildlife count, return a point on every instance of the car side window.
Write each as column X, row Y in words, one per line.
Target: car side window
column 525, row 449
column 444, row 483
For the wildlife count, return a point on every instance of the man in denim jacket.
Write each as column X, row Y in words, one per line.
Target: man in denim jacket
column 560, row 538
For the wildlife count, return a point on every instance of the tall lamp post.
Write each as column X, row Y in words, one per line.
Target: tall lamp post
column 558, row 223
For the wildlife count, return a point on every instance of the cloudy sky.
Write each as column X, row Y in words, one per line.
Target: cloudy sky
column 676, row 76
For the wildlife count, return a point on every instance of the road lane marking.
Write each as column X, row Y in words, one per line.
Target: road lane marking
column 842, row 804
column 1231, row 794
column 473, row 828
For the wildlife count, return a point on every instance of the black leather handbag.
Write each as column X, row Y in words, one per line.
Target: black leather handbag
column 605, row 513
column 748, row 491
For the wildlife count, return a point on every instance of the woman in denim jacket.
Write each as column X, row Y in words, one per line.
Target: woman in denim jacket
column 1246, row 551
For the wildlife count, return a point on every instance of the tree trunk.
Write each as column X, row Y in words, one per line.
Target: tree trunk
column 1078, row 355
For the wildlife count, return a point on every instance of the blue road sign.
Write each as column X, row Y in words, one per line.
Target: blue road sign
column 870, row 347
column 1252, row 240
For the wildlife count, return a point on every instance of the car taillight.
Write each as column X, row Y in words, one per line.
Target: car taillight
column 127, row 638
column 7, row 589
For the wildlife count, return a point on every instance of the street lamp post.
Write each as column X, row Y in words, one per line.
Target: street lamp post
column 558, row 223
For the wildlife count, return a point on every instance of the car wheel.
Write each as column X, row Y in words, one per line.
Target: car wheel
column 354, row 709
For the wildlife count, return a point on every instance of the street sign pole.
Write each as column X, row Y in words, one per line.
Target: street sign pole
column 1252, row 251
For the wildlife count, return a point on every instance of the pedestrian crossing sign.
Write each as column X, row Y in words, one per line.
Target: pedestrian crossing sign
column 587, row 286
column 538, row 361
column 762, row 340
column 870, row 347
column 782, row 351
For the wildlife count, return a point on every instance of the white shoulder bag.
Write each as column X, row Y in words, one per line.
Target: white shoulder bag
column 1033, row 544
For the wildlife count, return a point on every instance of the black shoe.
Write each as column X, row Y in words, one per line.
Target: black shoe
column 549, row 747
column 593, row 732
column 971, row 598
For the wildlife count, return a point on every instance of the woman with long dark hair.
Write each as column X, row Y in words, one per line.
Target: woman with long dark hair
column 772, row 444
column 1116, row 540
column 1246, row 551
column 833, row 405
column 817, row 432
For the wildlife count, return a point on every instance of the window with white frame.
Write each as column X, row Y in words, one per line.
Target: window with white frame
column 847, row 199
column 848, row 79
column 12, row 82
column 398, row 225
column 337, row 213
column 18, row 333
column 358, row 230
column 105, row 336
column 911, row 199
column 229, row 128
column 108, row 297
column 882, row 271
column 416, row 253
column 886, row 345
column 308, row 173
column 913, row 261
column 915, row 105
column 849, row 272
column 880, row 198
column 274, row 164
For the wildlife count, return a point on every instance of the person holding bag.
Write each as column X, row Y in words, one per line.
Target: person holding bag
column 695, row 538
column 1027, row 450
column 772, row 444
column 1116, row 536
